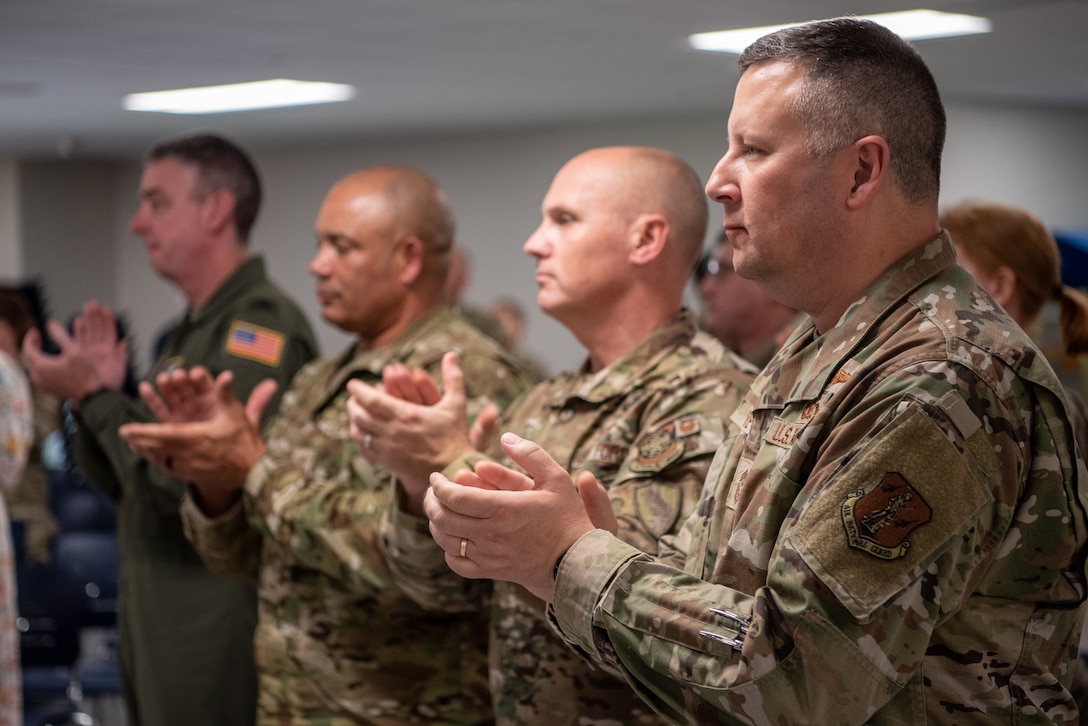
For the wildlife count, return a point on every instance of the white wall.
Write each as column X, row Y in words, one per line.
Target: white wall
column 11, row 250
column 68, row 231
column 1037, row 159
column 1030, row 157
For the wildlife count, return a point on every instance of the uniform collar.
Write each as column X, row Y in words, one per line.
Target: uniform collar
column 807, row 361
column 618, row 377
column 354, row 361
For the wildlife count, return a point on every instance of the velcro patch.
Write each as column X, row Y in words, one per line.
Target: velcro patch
column 255, row 343
column 658, row 449
column 687, row 426
column 782, row 432
column 605, row 453
column 907, row 494
column 657, row 505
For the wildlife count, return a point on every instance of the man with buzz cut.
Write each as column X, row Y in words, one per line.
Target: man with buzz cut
column 621, row 228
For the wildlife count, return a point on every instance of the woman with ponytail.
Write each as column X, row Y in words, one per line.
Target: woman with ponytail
column 1014, row 256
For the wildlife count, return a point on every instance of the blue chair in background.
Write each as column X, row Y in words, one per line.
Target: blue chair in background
column 68, row 603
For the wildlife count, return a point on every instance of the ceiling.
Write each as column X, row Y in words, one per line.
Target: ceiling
column 426, row 66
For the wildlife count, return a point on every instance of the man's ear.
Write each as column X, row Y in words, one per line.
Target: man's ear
column 410, row 258
column 871, row 157
column 219, row 210
column 650, row 232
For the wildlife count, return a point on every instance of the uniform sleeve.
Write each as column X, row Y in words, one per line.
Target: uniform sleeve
column 227, row 544
column 418, row 565
column 909, row 519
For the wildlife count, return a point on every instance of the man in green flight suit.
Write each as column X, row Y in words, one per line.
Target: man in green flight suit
column 185, row 634
column 299, row 509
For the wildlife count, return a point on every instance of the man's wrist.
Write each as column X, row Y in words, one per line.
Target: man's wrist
column 214, row 502
column 558, row 562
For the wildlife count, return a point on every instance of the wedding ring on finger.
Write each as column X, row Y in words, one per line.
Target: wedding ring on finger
column 464, row 547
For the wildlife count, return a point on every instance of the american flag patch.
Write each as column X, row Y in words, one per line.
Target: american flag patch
column 255, row 343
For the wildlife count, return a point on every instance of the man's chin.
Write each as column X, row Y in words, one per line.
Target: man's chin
column 546, row 304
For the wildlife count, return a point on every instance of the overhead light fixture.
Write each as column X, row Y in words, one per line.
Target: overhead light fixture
column 273, row 93
column 908, row 24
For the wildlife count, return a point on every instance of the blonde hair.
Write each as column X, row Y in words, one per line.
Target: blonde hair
column 997, row 235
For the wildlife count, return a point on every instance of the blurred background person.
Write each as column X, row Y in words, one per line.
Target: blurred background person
column 737, row 312
column 28, row 498
column 16, row 434
column 511, row 318
column 1013, row 254
column 458, row 279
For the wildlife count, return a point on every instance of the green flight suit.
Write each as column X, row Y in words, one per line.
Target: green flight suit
column 185, row 634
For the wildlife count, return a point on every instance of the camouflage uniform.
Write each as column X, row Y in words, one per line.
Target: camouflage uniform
column 647, row 427
column 336, row 641
column 898, row 525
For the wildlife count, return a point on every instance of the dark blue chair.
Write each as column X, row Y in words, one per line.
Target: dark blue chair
column 91, row 557
column 77, row 505
column 50, row 623
column 67, row 602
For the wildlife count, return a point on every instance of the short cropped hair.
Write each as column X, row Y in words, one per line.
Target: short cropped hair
column 421, row 207
column 862, row 79
column 220, row 165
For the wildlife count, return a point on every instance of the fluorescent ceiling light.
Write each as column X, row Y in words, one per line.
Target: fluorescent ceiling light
column 239, row 96
column 908, row 24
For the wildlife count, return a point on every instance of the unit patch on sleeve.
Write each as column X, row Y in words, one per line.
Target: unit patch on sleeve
column 255, row 343
column 657, row 505
column 658, row 449
column 879, row 521
column 893, row 506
